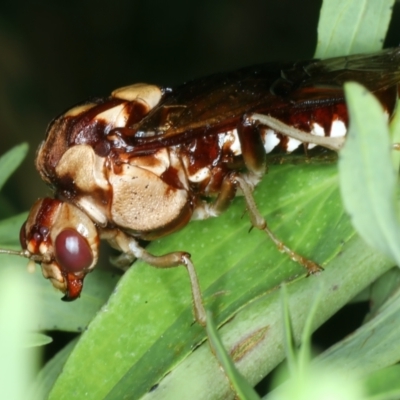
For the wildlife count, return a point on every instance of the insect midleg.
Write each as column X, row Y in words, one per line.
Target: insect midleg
column 131, row 249
column 259, row 222
column 255, row 159
column 176, row 259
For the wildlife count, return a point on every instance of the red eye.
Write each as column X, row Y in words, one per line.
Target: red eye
column 73, row 252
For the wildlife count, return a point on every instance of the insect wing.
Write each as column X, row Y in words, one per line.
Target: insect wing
column 217, row 103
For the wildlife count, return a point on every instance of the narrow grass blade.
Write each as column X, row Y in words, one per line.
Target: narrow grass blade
column 242, row 388
column 10, row 161
column 36, row 339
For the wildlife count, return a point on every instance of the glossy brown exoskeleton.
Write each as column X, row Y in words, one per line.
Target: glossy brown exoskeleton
column 143, row 162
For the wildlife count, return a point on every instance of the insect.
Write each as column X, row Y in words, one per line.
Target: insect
column 143, row 162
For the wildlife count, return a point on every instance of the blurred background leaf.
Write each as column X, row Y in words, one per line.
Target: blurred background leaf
column 352, row 26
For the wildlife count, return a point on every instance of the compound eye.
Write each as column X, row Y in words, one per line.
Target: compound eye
column 72, row 251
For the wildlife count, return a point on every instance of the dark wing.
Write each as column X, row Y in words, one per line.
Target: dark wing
column 377, row 72
column 219, row 101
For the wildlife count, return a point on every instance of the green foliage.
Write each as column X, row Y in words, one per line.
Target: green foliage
column 17, row 362
column 352, row 26
column 241, row 386
column 368, row 178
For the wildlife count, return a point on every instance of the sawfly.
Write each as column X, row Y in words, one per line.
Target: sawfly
column 143, row 162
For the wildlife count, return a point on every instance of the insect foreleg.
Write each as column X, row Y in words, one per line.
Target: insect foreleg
column 332, row 143
column 131, row 250
column 259, row 222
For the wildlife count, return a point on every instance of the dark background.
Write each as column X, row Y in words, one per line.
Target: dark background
column 54, row 54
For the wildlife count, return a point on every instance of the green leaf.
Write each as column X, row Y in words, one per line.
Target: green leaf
column 305, row 381
column 372, row 347
column 146, row 329
column 352, row 26
column 384, row 384
column 50, row 372
column 395, row 136
column 10, row 161
column 241, row 387
column 290, row 341
column 381, row 290
column 17, row 316
column 367, row 178
column 319, row 383
column 35, row 339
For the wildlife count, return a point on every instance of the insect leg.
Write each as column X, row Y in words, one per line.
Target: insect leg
column 259, row 222
column 332, row 143
column 131, row 250
column 255, row 160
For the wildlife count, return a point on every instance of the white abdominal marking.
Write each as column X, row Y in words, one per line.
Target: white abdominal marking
column 317, row 130
column 338, row 128
column 270, row 140
column 292, row 144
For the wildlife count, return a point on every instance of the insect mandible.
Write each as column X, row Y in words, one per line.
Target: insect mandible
column 143, row 162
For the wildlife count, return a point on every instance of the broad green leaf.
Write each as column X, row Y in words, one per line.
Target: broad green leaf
column 367, row 178
column 147, row 328
column 10, row 161
column 352, row 26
